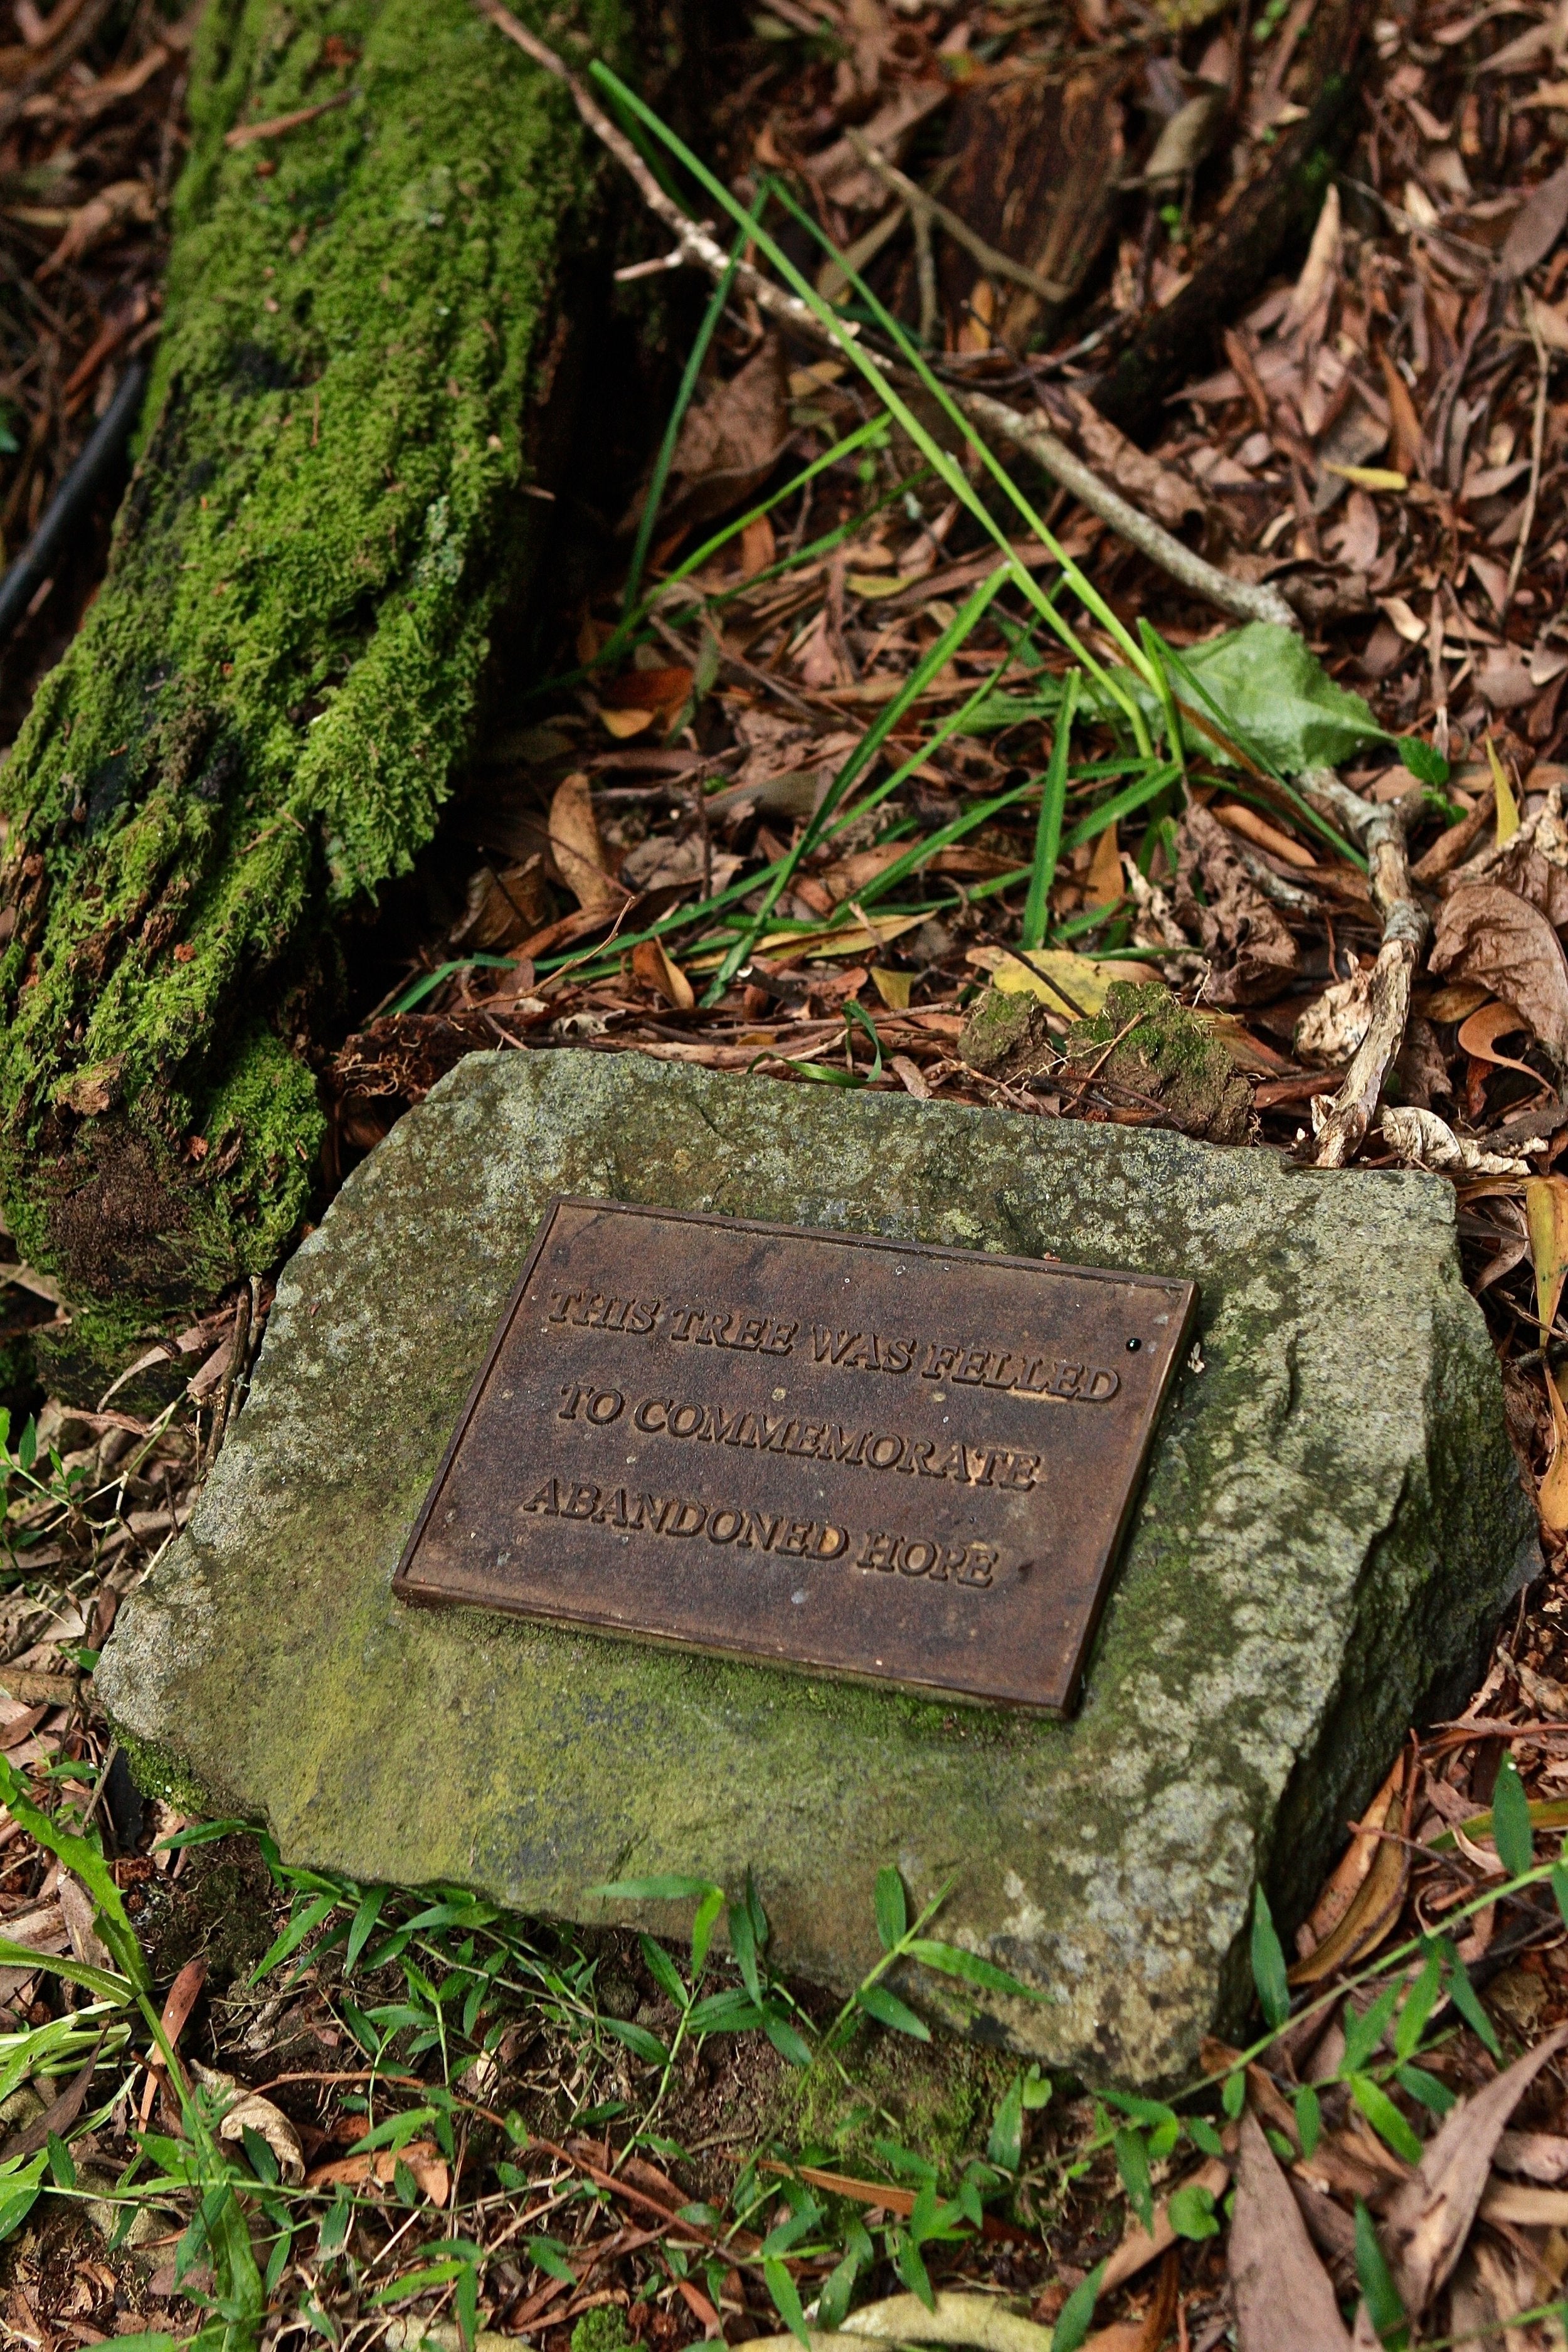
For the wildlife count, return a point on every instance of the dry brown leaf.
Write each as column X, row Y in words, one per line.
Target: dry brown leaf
column 1428, row 2218
column 1376, row 1905
column 1283, row 2296
column 892, row 987
column 1148, row 2334
column 578, row 852
column 1354, row 1864
column 250, row 2111
column 431, row 2177
column 1489, row 934
column 1138, row 2249
column 651, row 964
column 1534, row 2156
column 733, row 437
column 1537, row 226
column 1546, row 1221
column 1165, row 493
column 1103, row 885
column 1216, row 902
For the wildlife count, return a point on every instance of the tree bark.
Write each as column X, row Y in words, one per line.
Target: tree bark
column 254, row 729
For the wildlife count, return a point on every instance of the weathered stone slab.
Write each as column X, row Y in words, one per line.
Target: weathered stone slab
column 1331, row 1522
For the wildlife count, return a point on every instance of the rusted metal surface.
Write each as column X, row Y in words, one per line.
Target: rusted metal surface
column 855, row 1457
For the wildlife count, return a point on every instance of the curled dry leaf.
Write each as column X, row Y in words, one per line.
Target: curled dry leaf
column 1429, row 2217
column 1283, row 2296
column 651, row 964
column 1148, row 2334
column 1254, row 955
column 422, row 2158
column 1334, row 1023
column 1425, row 1140
column 1375, row 1908
column 578, row 852
column 1166, row 494
column 730, row 443
column 1489, row 934
column 250, row 2111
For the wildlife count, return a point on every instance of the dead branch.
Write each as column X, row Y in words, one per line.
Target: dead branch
column 697, row 245
column 1382, row 829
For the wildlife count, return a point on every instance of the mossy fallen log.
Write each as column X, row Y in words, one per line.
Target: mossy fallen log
column 254, row 729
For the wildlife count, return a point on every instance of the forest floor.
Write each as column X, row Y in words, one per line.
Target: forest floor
column 375, row 2116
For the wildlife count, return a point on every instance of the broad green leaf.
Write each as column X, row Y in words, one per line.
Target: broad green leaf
column 84, row 1857
column 1466, row 1999
column 789, row 2044
column 1191, row 2213
column 1511, row 1832
column 1274, row 692
column 1385, row 2117
column 1366, row 2029
column 892, row 1913
column 396, row 2131
column 293, row 1935
column 1203, row 2134
column 889, row 2010
column 743, row 1946
column 954, row 1961
column 910, row 2263
column 1383, row 2307
column 1233, row 2094
column 786, row 2300
column 1268, row 1963
column 1075, row 2316
column 731, row 2011
column 364, row 1920
column 653, row 1890
column 547, row 2254
column 1308, row 2118
column 1423, row 759
column 636, row 2038
column 1006, row 2145
column 661, row 1966
column 1419, row 2006
column 98, row 1981
column 1426, row 2088
column 702, row 1927
column 1133, row 2164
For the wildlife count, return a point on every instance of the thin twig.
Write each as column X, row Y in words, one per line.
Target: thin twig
column 1383, row 828
column 1536, row 446
column 696, row 243
column 995, row 264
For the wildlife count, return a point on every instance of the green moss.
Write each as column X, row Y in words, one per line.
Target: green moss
column 1153, row 1049
column 604, row 2330
column 256, row 725
column 937, row 2099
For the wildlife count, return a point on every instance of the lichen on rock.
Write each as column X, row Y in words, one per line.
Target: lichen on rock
column 254, row 728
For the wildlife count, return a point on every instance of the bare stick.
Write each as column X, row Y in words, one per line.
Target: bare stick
column 1537, row 444
column 696, row 243
column 1240, row 598
column 1383, row 828
column 995, row 264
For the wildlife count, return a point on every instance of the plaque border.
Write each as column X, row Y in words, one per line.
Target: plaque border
column 1184, row 1291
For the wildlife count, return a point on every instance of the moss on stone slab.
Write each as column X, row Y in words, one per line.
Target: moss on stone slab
column 255, row 728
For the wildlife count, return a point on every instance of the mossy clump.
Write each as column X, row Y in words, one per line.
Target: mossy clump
column 938, row 2099
column 604, row 2330
column 1007, row 1036
column 1150, row 1053
column 255, row 727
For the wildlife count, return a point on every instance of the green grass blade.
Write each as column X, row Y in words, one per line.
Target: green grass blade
column 1048, row 833
column 660, row 477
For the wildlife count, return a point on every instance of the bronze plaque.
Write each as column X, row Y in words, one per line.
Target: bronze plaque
column 855, row 1457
